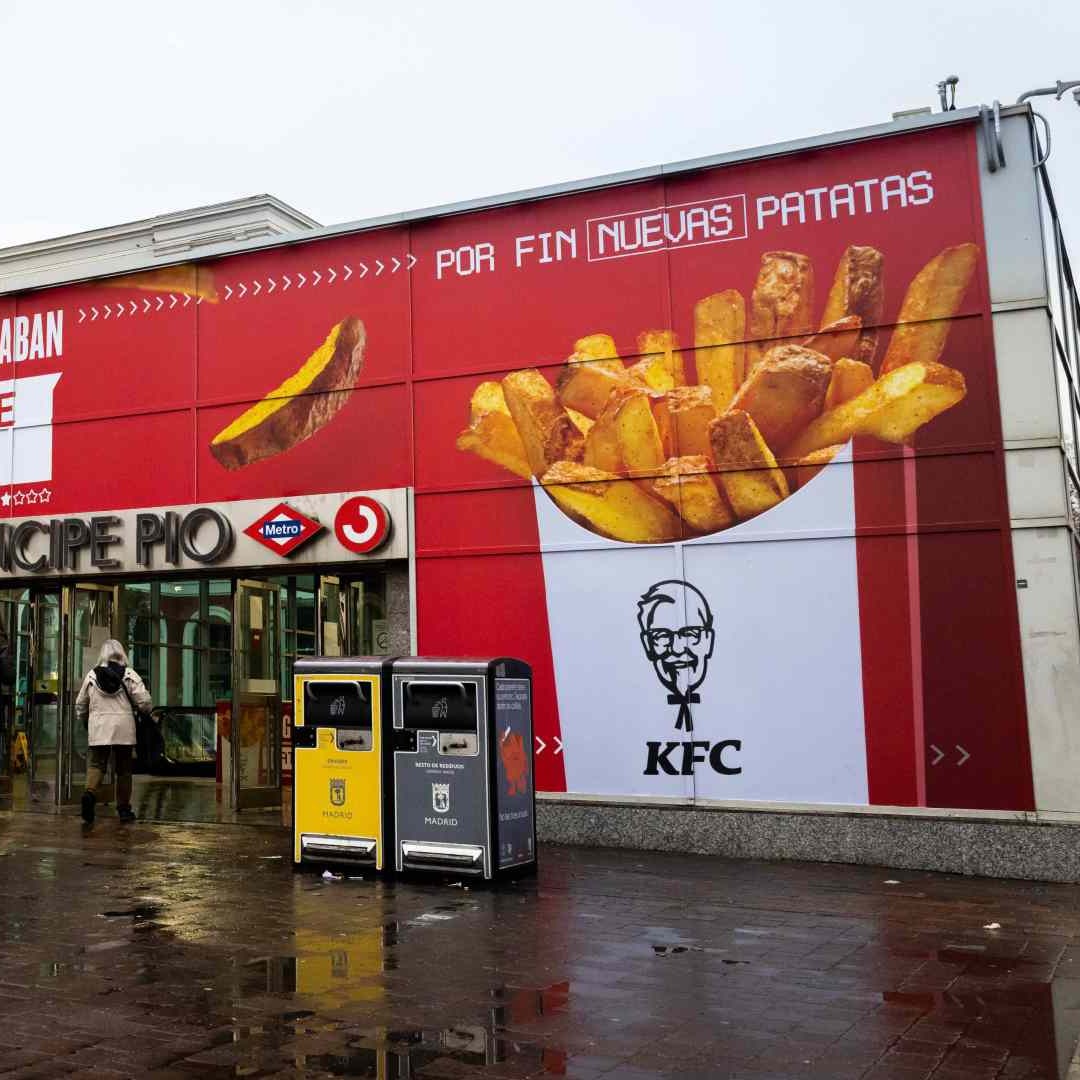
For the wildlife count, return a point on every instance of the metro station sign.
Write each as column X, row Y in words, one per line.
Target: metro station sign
column 283, row 529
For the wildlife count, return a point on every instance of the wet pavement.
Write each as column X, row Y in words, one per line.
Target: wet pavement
column 195, row 951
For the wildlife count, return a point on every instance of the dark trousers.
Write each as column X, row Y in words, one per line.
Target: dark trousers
column 98, row 763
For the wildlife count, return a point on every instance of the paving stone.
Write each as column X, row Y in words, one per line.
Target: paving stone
column 170, row 952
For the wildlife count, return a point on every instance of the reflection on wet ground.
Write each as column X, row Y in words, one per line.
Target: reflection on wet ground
column 195, row 951
column 191, row 798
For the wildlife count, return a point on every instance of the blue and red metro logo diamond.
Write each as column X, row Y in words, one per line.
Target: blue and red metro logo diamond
column 283, row 529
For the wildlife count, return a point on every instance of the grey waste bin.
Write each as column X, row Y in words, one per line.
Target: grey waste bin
column 462, row 744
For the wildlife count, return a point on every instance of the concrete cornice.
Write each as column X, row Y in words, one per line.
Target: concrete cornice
column 163, row 239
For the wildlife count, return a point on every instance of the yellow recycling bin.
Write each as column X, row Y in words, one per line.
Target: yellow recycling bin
column 340, row 790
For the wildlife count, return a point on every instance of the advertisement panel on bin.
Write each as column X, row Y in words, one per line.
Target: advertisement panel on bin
column 717, row 452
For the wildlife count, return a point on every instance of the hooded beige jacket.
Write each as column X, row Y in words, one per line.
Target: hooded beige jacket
column 108, row 716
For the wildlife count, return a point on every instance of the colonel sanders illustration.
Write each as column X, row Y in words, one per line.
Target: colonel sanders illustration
column 678, row 637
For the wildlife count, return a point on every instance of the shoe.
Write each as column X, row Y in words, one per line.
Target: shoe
column 125, row 813
column 89, row 799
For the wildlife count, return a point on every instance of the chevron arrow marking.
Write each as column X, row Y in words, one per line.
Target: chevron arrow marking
column 95, row 315
column 938, row 754
column 965, row 754
column 256, row 288
column 558, row 745
column 543, row 745
column 82, row 315
column 160, row 303
column 397, row 264
column 243, row 290
column 363, row 269
column 119, row 311
column 316, row 277
column 300, row 277
column 187, row 299
column 347, row 273
column 108, row 310
column 381, row 268
column 332, row 274
column 134, row 307
column 273, row 286
column 410, row 261
column 288, row 282
column 172, row 301
column 228, row 292
column 145, row 306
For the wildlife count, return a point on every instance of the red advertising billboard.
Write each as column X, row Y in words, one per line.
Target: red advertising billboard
column 718, row 452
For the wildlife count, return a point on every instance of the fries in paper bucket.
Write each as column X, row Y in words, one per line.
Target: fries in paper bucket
column 635, row 452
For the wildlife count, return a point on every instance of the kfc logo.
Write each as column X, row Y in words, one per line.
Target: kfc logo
column 677, row 635
column 678, row 638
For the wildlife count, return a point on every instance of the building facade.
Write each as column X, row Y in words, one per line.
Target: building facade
column 766, row 464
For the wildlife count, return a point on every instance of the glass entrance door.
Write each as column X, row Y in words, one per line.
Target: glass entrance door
column 369, row 628
column 37, row 700
column 255, row 748
column 12, row 756
column 334, row 625
column 89, row 625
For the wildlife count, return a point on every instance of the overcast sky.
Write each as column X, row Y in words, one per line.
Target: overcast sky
column 114, row 111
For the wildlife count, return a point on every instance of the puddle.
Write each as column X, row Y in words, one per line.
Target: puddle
column 1033, row 1026
column 450, row 1052
column 59, row 968
column 520, row 1006
column 399, row 1053
column 140, row 911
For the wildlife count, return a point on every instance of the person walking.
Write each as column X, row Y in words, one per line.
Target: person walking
column 109, row 697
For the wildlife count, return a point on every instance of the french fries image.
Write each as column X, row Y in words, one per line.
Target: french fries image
column 801, row 472
column 492, row 433
column 849, row 379
column 858, row 289
column 836, row 339
column 689, row 489
column 781, row 303
column 746, row 468
column 186, row 280
column 683, row 416
column 582, row 422
column 932, row 299
column 625, row 437
column 548, row 433
column 892, row 409
column 784, row 392
column 585, row 386
column 664, row 346
column 634, row 453
column 654, row 373
column 600, row 349
column 719, row 344
column 301, row 406
column 610, row 505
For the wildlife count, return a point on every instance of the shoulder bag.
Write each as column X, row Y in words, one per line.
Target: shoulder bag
column 149, row 743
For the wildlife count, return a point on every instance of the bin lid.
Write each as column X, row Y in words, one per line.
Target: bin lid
column 500, row 667
column 342, row 665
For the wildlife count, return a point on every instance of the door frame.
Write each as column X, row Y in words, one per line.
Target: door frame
column 35, row 594
column 258, row 796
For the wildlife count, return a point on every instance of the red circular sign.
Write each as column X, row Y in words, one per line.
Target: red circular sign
column 361, row 524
